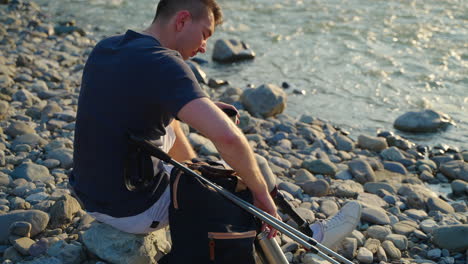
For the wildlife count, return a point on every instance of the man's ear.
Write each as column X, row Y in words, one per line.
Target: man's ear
column 182, row 17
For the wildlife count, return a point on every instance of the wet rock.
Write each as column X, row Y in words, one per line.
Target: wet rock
column 118, row 247
column 37, row 219
column 320, row 166
column 362, row 171
column 424, row 121
column 265, row 101
column 450, row 237
column 32, row 172
column 456, row 169
column 376, row 144
column 227, row 51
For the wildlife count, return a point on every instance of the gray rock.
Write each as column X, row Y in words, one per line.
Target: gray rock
column 404, row 227
column 64, row 155
column 424, row 121
column 320, row 166
column 303, row 175
column 348, row 247
column 375, row 215
column 381, row 255
column 197, row 71
column 344, row 175
column 268, row 175
column 39, row 248
column 364, row 255
column 360, row 238
column 306, row 214
column 434, row 253
column 67, row 253
column 118, row 247
column 437, row 204
column 227, row 51
column 428, row 226
column 316, row 188
column 416, row 214
column 451, row 237
column 343, row 142
column 456, row 169
column 395, row 167
column 348, row 188
column 362, row 171
column 12, row 254
column 376, row 144
column 309, row 258
column 37, row 219
column 459, row 187
column 392, row 252
column 37, row 197
column 374, row 187
column 20, row 228
column 23, row 244
column 30, row 139
column 18, row 128
column 372, row 245
column 265, row 101
column 291, row 188
column 371, row 200
column 400, row 241
column 45, row 260
column 378, row 232
column 4, row 106
column 392, row 154
column 5, row 180
column 63, row 211
column 328, row 207
column 32, row 172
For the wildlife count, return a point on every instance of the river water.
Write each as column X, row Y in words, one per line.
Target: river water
column 362, row 63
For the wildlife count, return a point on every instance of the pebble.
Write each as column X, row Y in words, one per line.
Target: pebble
column 391, row 251
column 364, row 255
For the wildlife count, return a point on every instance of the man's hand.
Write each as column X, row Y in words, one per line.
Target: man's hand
column 223, row 106
column 265, row 202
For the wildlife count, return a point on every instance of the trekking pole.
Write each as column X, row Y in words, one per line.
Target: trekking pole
column 307, row 242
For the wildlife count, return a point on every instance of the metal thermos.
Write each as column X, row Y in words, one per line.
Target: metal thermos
column 271, row 250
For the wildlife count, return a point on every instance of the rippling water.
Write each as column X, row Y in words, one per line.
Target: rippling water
column 362, row 62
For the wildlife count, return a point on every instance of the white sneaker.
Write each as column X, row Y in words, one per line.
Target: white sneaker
column 331, row 231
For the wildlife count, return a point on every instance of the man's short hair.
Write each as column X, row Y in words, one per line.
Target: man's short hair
column 198, row 8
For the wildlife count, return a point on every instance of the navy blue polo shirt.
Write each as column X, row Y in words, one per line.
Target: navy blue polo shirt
column 130, row 84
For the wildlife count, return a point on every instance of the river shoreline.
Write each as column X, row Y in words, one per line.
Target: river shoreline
column 318, row 166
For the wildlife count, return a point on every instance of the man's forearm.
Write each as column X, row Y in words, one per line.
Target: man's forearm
column 182, row 149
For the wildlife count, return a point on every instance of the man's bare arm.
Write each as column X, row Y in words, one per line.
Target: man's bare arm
column 182, row 149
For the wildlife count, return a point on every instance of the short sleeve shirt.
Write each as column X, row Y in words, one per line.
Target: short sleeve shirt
column 130, row 84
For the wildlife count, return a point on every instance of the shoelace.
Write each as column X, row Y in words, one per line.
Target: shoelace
column 334, row 221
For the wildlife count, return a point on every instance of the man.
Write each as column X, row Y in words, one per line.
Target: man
column 139, row 83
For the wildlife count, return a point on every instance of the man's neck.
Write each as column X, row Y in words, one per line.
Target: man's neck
column 159, row 32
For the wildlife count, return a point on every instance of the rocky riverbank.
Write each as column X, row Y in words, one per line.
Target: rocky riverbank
column 317, row 165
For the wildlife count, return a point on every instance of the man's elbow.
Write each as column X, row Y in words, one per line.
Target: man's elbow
column 229, row 139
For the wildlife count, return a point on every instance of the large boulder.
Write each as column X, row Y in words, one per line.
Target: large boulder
column 451, row 237
column 265, row 101
column 231, row 50
column 423, row 121
column 36, row 218
column 119, row 247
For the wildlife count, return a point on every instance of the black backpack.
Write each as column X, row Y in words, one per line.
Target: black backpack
column 205, row 226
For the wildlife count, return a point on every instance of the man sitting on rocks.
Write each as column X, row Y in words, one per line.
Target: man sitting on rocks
column 138, row 82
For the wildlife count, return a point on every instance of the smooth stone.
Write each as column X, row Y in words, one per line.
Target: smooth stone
column 23, row 244
column 459, row 187
column 227, row 51
column 360, row 238
column 343, row 142
column 400, row 241
column 344, row 175
column 375, row 215
column 434, row 253
column 392, row 154
column 310, row 258
column 437, row 204
column 348, row 247
column 12, row 254
column 118, row 247
column 64, row 155
column 451, row 237
column 306, row 214
column 375, row 187
column 371, row 200
column 362, row 171
column 37, row 197
column 328, row 207
column 391, row 251
column 265, row 101
column 347, row 188
column 291, row 188
column 428, row 226
column 39, row 248
column 30, row 139
column 456, row 169
column 320, row 166
column 376, row 144
column 416, row 214
column 404, row 227
column 47, row 260
column 381, row 255
column 32, row 172
column 316, row 188
column 18, row 128
column 36, row 218
column 303, row 175
column 20, row 228
column 423, row 121
column 395, row 167
column 270, row 178
column 378, row 232
column 372, row 245
column 364, row 255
